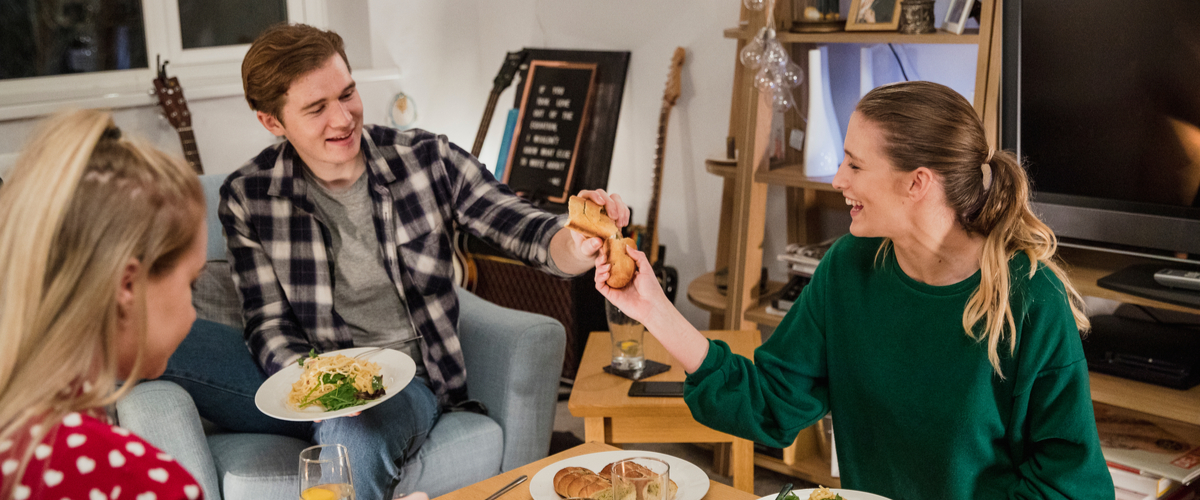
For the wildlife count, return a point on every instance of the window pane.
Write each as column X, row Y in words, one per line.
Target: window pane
column 213, row 23
column 55, row 37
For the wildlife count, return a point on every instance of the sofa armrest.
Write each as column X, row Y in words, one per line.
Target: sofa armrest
column 164, row 414
column 514, row 360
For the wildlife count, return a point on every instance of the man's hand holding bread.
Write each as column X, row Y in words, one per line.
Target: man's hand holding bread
column 592, row 221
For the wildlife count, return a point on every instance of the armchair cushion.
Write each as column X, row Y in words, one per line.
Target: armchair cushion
column 462, row 449
column 257, row 465
column 513, row 362
column 215, row 296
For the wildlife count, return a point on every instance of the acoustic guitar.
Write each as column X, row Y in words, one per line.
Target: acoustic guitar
column 174, row 107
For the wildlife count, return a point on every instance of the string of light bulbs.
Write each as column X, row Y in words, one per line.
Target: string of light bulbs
column 776, row 74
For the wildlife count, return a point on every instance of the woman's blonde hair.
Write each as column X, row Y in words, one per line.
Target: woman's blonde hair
column 80, row 204
column 930, row 125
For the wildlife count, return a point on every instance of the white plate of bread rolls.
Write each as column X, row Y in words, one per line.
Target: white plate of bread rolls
column 692, row 483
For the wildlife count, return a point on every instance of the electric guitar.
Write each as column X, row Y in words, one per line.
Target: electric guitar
column 648, row 239
column 463, row 261
column 174, row 107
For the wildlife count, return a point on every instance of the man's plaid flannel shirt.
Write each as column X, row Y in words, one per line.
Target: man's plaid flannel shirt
column 419, row 185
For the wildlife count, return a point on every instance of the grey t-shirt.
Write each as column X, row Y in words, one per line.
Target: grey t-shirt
column 363, row 295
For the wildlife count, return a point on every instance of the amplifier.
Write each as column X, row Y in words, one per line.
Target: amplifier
column 1154, row 353
column 573, row 302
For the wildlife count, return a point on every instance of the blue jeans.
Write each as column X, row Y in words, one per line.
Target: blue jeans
column 214, row 366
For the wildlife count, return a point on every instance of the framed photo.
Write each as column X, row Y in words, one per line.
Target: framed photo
column 873, row 15
column 956, row 16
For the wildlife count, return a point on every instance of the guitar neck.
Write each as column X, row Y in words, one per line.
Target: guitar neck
column 493, row 97
column 664, row 117
column 191, row 153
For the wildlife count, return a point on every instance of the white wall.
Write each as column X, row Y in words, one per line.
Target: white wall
column 448, row 51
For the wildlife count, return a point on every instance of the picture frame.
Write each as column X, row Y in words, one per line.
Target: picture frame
column 594, row 147
column 873, row 15
column 956, row 16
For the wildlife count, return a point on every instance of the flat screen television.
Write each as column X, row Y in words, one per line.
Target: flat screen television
column 1102, row 99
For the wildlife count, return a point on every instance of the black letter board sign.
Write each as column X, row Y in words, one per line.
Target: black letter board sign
column 555, row 108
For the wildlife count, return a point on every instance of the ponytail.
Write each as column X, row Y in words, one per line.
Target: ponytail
column 930, row 125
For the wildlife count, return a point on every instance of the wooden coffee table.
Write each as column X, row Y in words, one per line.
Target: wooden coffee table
column 482, row 489
column 611, row 416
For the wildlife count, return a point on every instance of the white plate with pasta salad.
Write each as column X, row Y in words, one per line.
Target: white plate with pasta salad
column 829, row 493
column 335, row 384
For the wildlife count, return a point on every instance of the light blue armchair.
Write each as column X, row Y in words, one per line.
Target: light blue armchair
column 513, row 361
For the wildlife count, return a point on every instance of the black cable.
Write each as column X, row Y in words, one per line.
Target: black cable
column 898, row 63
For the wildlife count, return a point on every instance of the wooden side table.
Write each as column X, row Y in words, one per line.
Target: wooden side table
column 716, row 491
column 611, row 416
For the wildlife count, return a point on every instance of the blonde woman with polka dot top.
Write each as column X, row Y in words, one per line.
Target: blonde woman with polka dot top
column 100, row 240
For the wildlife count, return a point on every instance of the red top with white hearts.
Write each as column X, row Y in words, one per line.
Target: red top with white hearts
column 90, row 459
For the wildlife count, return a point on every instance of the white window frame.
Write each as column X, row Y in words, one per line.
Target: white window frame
column 205, row 72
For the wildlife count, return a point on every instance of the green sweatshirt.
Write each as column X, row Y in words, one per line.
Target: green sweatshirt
column 919, row 412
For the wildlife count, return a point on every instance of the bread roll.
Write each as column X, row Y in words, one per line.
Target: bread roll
column 588, row 217
column 583, row 483
column 623, row 266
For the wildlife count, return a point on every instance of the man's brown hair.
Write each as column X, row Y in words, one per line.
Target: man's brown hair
column 279, row 56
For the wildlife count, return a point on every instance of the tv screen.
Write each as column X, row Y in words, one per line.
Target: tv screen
column 1102, row 99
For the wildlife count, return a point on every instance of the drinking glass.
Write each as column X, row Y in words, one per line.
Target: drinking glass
column 642, row 478
column 627, row 334
column 325, row 473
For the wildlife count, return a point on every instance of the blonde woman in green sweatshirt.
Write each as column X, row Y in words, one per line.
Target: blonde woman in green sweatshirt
column 940, row 332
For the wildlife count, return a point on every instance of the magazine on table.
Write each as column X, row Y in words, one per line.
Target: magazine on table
column 1147, row 444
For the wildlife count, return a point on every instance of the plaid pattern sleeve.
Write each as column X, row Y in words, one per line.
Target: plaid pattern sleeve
column 490, row 210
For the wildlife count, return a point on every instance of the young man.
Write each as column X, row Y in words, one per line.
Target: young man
column 339, row 236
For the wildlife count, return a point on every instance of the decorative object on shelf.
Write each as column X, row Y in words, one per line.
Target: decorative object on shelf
column 823, row 140
column 816, row 16
column 402, row 114
column 916, row 17
column 873, row 15
column 755, row 4
column 777, row 74
column 956, row 16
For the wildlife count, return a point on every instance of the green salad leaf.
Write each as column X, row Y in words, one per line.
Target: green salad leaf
column 312, row 353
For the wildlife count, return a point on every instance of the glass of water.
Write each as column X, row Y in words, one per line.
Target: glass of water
column 627, row 333
column 642, row 478
column 325, row 473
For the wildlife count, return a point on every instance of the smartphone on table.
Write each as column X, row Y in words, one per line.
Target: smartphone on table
column 656, row 389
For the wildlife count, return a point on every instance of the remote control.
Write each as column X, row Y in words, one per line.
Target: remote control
column 1178, row 278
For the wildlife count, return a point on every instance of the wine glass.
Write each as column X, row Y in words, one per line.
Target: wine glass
column 325, row 473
